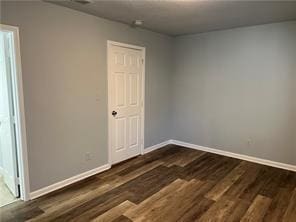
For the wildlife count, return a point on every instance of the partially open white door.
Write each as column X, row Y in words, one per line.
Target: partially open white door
column 7, row 114
column 126, row 100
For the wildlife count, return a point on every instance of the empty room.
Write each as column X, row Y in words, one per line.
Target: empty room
column 147, row 110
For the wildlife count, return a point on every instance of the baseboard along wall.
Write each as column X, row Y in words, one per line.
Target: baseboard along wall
column 235, row 155
column 71, row 180
column 105, row 167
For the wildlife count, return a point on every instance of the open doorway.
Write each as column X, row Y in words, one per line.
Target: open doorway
column 13, row 161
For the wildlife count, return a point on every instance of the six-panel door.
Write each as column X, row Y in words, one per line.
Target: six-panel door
column 125, row 95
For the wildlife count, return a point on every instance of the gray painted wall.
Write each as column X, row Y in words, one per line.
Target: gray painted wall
column 235, row 90
column 65, row 86
column 232, row 90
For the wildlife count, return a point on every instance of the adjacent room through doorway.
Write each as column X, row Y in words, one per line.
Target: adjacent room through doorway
column 9, row 185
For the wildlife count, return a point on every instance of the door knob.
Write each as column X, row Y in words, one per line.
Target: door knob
column 114, row 113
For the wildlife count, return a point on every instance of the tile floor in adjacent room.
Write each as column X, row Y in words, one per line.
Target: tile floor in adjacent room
column 6, row 196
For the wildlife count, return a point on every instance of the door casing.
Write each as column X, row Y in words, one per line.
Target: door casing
column 143, row 51
column 21, row 138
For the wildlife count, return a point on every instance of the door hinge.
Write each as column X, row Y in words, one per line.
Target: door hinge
column 142, row 61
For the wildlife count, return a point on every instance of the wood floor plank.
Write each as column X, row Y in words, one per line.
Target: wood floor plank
column 245, row 181
column 115, row 212
column 200, row 166
column 225, row 167
column 115, row 180
column 219, row 211
column 27, row 215
column 57, row 209
column 149, row 183
column 170, row 184
column 162, row 210
column 227, row 182
column 290, row 215
column 139, row 161
column 64, row 194
column 272, row 183
column 257, row 210
column 254, row 188
column 289, row 181
column 147, row 204
column 183, row 199
column 211, row 168
column 93, row 208
column 122, row 219
column 238, row 210
column 278, row 206
column 164, row 154
column 183, row 158
column 199, row 206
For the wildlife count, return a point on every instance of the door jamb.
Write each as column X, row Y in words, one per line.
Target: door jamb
column 21, row 138
column 143, row 50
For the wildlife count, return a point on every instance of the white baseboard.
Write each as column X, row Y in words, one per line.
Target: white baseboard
column 235, row 155
column 155, row 147
column 61, row 184
column 82, row 176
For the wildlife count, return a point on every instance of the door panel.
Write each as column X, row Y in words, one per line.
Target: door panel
column 134, row 89
column 134, row 129
column 120, row 126
column 125, row 96
column 7, row 127
column 120, row 89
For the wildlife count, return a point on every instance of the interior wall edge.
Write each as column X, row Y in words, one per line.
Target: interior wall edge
column 262, row 161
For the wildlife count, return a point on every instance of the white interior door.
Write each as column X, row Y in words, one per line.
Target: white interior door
column 7, row 126
column 125, row 82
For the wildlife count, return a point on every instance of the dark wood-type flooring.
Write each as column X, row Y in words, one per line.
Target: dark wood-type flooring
column 170, row 184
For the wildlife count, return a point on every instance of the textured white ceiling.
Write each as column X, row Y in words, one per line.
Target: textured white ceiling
column 179, row 17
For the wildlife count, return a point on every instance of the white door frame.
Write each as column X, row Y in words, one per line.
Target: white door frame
column 143, row 50
column 21, row 138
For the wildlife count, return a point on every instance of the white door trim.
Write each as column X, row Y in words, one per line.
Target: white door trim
column 21, row 138
column 143, row 50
